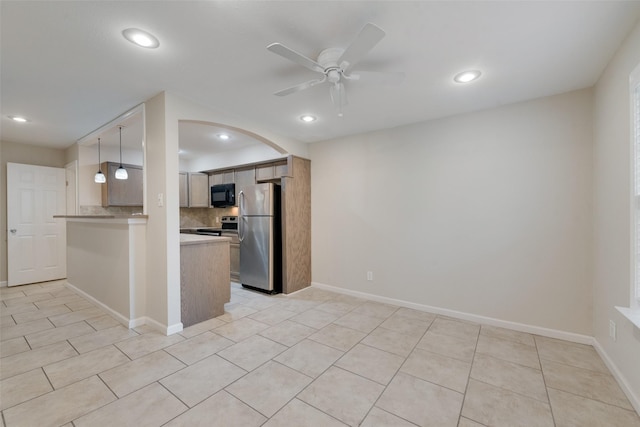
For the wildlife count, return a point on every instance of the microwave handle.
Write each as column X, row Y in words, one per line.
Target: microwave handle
column 240, row 225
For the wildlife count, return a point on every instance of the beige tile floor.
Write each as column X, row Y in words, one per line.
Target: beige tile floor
column 315, row 358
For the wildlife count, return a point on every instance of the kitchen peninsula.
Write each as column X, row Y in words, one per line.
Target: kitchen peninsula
column 204, row 277
column 106, row 262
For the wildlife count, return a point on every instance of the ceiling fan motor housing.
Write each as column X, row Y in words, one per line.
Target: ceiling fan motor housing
column 328, row 58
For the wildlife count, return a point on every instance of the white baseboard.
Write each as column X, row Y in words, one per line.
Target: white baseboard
column 521, row 327
column 119, row 317
column 174, row 329
column 162, row 328
column 138, row 321
column 3, row 284
column 633, row 398
column 130, row 323
column 552, row 333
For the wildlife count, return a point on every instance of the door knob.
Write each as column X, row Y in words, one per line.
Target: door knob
column 13, row 231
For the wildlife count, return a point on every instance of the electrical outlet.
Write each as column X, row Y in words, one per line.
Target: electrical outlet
column 370, row 276
column 612, row 329
column 160, row 200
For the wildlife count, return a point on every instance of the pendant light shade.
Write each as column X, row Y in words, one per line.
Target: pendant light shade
column 121, row 172
column 99, row 178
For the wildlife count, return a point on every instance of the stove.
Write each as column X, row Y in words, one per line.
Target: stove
column 230, row 224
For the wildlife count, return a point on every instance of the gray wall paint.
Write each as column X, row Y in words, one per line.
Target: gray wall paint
column 20, row 153
column 486, row 213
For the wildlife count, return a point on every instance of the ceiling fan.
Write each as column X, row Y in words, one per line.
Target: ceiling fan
column 336, row 64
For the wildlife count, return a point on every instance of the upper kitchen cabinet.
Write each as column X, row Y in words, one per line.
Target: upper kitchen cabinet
column 183, row 185
column 122, row 192
column 272, row 171
column 222, row 177
column 198, row 190
column 243, row 178
column 194, row 190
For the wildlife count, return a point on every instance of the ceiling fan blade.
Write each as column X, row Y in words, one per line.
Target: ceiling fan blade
column 368, row 37
column 296, row 57
column 377, row 77
column 338, row 95
column 301, row 86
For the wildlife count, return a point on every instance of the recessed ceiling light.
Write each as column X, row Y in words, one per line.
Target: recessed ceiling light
column 141, row 38
column 467, row 76
column 18, row 119
column 224, row 136
column 307, row 118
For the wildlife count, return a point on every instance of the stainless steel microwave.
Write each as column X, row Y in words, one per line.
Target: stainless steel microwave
column 223, row 195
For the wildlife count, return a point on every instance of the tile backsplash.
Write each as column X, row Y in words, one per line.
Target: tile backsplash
column 204, row 217
column 111, row 210
column 189, row 217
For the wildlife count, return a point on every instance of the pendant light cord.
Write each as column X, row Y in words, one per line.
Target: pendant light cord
column 120, row 127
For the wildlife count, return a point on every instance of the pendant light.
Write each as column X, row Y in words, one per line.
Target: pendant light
column 99, row 178
column 121, row 172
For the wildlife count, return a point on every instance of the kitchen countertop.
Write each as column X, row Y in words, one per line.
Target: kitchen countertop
column 198, row 239
column 105, row 219
column 119, row 216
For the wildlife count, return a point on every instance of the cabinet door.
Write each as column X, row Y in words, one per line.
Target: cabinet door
column 264, row 172
column 216, row 178
column 122, row 192
column 228, row 177
column 244, row 177
column 183, row 184
column 224, row 177
column 280, row 169
column 234, row 252
column 198, row 190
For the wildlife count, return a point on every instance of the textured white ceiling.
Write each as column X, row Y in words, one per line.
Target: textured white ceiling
column 66, row 66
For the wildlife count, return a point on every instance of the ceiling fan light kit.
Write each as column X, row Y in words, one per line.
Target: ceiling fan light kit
column 335, row 64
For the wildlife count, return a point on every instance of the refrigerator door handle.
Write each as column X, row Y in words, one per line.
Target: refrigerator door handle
column 242, row 218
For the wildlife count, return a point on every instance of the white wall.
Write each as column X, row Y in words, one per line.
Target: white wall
column 612, row 220
column 20, row 153
column 224, row 159
column 486, row 213
column 163, row 224
column 107, row 279
column 90, row 193
column 188, row 110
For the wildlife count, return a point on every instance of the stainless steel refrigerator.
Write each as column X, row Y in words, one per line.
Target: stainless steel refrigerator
column 260, row 237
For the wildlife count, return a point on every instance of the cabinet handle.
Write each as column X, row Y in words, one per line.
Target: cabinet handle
column 13, row 231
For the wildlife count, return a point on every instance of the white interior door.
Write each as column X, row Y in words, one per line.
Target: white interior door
column 36, row 242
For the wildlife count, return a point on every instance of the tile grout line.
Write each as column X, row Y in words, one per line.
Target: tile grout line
column 590, row 398
column 397, row 370
column 544, row 381
column 96, row 409
column 466, row 388
column 313, row 379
